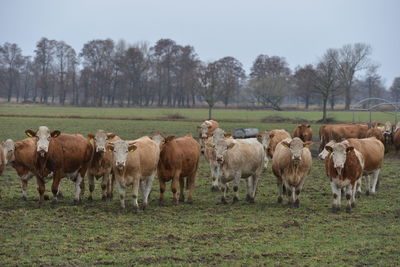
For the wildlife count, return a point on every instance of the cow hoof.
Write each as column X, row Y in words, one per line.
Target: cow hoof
column 40, row 204
column 358, row 194
column 223, row 200
column 235, row 199
column 136, row 210
column 60, row 195
column 46, row 197
column 215, row 189
column 175, row 201
column 280, row 200
column 189, row 201
column 251, row 200
column 104, row 198
column 353, row 205
column 90, row 198
column 348, row 209
column 297, row 203
column 161, row 204
column 24, row 198
column 77, row 201
column 367, row 192
column 335, row 209
column 248, row 197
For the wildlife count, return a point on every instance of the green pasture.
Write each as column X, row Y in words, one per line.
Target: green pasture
column 195, row 114
column 265, row 233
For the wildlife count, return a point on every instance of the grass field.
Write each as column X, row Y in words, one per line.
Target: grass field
column 264, row 233
column 195, row 114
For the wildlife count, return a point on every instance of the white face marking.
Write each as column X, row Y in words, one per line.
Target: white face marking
column 221, row 148
column 158, row 139
column 325, row 152
column 43, row 135
column 204, row 129
column 101, row 139
column 296, row 148
column 339, row 156
column 8, row 150
column 121, row 150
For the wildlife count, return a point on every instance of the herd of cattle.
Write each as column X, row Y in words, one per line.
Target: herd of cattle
column 350, row 151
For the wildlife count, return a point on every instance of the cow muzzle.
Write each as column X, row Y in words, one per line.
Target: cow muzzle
column 220, row 160
column 120, row 165
column 42, row 151
column 339, row 169
column 100, row 149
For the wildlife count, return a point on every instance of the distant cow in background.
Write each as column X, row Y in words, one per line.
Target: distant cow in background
column 396, row 137
column 377, row 133
column 270, row 140
column 304, row 132
column 338, row 132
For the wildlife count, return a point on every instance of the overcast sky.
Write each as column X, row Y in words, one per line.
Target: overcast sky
column 298, row 30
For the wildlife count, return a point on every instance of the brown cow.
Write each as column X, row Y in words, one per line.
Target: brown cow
column 101, row 163
column 135, row 164
column 344, row 167
column 377, row 133
column 339, row 132
column 179, row 158
column 20, row 155
column 66, row 155
column 304, row 132
column 396, row 137
column 271, row 139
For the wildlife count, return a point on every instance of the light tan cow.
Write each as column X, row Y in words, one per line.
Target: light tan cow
column 239, row 158
column 135, row 164
column 101, row 163
column 373, row 153
column 270, row 140
column 205, row 130
column 291, row 165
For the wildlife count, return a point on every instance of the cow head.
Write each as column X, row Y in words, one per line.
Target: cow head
column 221, row 147
column 159, row 139
column 120, row 150
column 43, row 136
column 304, row 131
column 203, row 129
column 397, row 127
column 296, row 146
column 325, row 153
column 265, row 139
column 339, row 154
column 100, row 140
column 387, row 132
column 8, row 151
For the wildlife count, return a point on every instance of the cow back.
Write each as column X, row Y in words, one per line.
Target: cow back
column 372, row 150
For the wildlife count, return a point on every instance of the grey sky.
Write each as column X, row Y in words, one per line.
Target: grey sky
column 300, row 31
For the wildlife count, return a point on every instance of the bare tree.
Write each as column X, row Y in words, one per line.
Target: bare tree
column 209, row 85
column 269, row 80
column 303, row 82
column 395, row 89
column 62, row 55
column 11, row 60
column 350, row 60
column 326, row 78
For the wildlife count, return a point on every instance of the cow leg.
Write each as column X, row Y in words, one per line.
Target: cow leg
column 367, row 176
column 280, row 189
column 349, row 192
column 299, row 188
column 255, row 180
column 162, row 190
column 79, row 187
column 135, row 193
column 122, row 192
column 147, row 189
column 56, row 185
column 174, row 188
column 41, row 188
column 191, row 180
column 293, row 195
column 236, row 183
column 110, row 186
column 336, row 192
column 358, row 188
column 105, row 184
column 181, row 189
column 91, row 186
column 375, row 177
column 225, row 189
column 353, row 194
column 249, row 186
column 24, row 185
column 214, row 177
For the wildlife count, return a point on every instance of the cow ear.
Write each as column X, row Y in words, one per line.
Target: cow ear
column 110, row 136
column 308, row 125
column 271, row 135
column 259, row 138
column 285, row 143
column 210, row 145
column 169, row 138
column 227, row 135
column 30, row 133
column 132, row 147
column 199, row 127
column 55, row 133
column 329, row 148
column 230, row 145
column 307, row 144
column 91, row 136
column 350, row 148
column 110, row 147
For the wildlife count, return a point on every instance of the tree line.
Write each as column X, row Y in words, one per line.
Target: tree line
column 112, row 73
